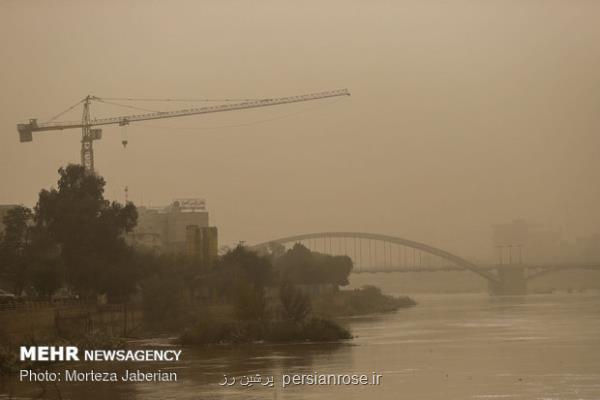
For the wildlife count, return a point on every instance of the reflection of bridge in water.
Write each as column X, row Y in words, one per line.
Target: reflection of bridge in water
column 373, row 253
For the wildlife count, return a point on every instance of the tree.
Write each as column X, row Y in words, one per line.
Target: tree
column 241, row 275
column 45, row 276
column 89, row 231
column 28, row 256
column 295, row 304
column 244, row 265
column 163, row 300
column 45, row 272
column 276, row 249
column 299, row 265
column 334, row 269
column 249, row 301
column 13, row 245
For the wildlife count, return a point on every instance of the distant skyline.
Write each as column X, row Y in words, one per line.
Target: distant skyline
column 462, row 114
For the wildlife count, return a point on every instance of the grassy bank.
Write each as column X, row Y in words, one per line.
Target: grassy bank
column 311, row 330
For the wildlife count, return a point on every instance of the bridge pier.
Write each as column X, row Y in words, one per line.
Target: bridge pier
column 511, row 281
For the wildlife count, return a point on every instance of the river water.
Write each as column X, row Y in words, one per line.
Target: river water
column 448, row 347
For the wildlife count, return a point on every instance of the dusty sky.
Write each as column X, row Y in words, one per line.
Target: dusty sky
column 463, row 113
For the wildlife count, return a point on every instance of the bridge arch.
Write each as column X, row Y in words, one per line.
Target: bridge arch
column 453, row 258
column 548, row 270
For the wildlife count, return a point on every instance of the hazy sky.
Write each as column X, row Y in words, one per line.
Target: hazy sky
column 463, row 113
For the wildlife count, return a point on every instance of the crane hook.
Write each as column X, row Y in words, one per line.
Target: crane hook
column 123, row 125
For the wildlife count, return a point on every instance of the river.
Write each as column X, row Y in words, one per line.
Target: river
column 468, row 346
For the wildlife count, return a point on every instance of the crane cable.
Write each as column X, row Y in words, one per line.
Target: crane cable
column 102, row 100
column 176, row 100
column 262, row 121
column 108, row 100
column 66, row 111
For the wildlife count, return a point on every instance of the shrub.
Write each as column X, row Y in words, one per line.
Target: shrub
column 283, row 331
column 163, row 301
column 249, row 302
column 324, row 330
column 295, row 304
column 314, row 330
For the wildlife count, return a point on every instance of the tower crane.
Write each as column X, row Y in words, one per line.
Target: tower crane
column 90, row 132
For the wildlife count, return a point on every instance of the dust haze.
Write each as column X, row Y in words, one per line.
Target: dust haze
column 463, row 114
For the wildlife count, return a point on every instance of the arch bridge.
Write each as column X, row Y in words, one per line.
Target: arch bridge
column 371, row 253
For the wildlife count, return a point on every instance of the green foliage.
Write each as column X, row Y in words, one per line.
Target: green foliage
column 249, row 301
column 312, row 330
column 276, row 249
column 163, row 301
column 370, row 299
column 295, row 304
column 301, row 266
column 74, row 237
column 366, row 300
column 324, row 330
column 241, row 275
column 45, row 276
column 89, row 231
column 44, row 269
column 209, row 331
column 16, row 232
column 14, row 242
column 28, row 256
column 166, row 288
column 284, row 331
column 241, row 264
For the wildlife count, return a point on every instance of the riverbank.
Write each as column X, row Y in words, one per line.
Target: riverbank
column 366, row 300
column 295, row 317
column 319, row 326
column 279, row 331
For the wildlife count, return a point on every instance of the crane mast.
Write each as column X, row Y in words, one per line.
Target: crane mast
column 87, row 142
column 89, row 133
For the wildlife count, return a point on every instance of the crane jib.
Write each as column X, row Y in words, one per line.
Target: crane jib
column 25, row 130
column 89, row 134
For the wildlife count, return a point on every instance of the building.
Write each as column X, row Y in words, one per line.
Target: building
column 165, row 229
column 202, row 244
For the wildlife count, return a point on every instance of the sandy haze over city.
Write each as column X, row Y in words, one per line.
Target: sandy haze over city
column 463, row 114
